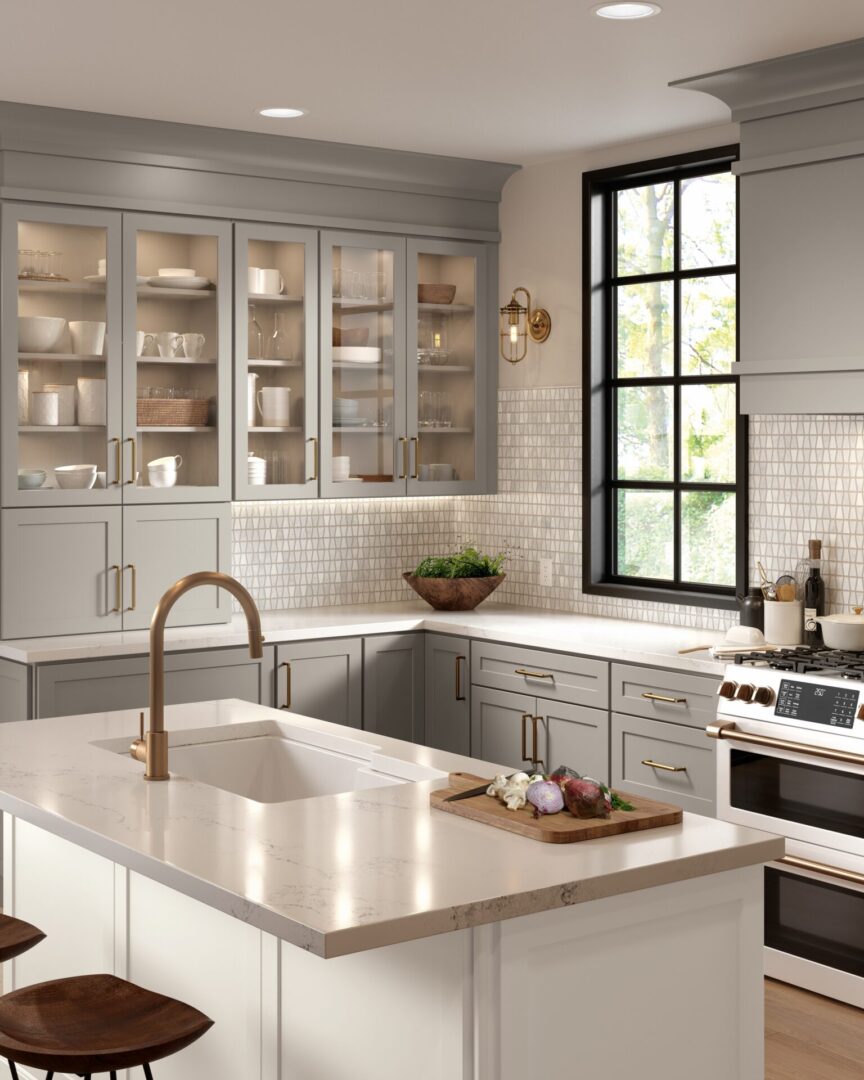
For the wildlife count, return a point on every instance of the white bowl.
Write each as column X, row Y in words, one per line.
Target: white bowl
column 162, row 478
column 176, row 271
column 844, row 632
column 39, row 333
column 29, row 479
column 75, row 476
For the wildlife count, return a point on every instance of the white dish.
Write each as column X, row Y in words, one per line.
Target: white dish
column 176, row 271
column 95, row 279
column 180, row 282
column 142, row 279
column 75, row 476
column 39, row 333
column 351, row 421
column 30, row 479
column 357, row 354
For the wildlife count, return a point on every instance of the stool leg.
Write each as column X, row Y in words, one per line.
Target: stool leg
column 147, row 1072
column 12, row 1069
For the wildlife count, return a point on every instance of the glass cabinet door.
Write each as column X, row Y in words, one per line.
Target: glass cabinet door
column 61, row 357
column 276, row 371
column 447, row 380
column 364, row 437
column 177, row 359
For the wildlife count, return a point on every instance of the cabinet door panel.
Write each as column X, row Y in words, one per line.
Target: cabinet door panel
column 554, row 676
column 60, row 571
column 393, row 686
column 574, row 736
column 164, row 543
column 322, row 679
column 497, row 726
column 448, row 686
column 664, row 695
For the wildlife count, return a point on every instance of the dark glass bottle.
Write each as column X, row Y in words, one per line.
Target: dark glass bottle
column 814, row 596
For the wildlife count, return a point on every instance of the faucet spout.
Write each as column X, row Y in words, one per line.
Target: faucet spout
column 152, row 747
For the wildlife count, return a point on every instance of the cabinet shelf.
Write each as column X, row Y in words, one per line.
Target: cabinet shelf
column 339, row 430
column 275, row 363
column 175, row 429
column 154, row 291
column 274, row 298
column 182, row 361
column 444, row 369
column 361, row 307
column 424, row 431
column 447, row 309
column 275, row 430
column 70, row 288
column 57, row 429
column 59, row 358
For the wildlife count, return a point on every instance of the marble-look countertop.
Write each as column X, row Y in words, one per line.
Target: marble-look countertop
column 613, row 639
column 336, row 874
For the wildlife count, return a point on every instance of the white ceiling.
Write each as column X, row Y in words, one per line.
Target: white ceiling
column 501, row 80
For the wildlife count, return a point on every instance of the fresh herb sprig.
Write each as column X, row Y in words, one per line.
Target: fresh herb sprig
column 466, row 563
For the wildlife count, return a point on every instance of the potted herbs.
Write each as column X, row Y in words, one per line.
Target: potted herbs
column 457, row 582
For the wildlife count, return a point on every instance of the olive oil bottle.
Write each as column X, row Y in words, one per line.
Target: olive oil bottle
column 814, row 596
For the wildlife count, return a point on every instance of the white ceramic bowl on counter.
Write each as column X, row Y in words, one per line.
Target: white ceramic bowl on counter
column 75, row 476
column 39, row 333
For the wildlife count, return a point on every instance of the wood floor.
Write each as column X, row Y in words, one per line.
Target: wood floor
column 808, row 1037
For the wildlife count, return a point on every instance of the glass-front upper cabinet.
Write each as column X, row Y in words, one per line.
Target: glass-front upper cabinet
column 276, row 370
column 61, row 357
column 364, row 435
column 177, row 359
column 447, row 378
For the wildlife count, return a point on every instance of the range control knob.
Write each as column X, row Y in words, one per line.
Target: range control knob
column 764, row 696
column 727, row 689
column 745, row 692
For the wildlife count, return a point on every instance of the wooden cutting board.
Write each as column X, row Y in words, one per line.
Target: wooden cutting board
column 560, row 828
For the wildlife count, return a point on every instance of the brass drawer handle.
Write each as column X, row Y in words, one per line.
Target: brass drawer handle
column 649, row 696
column 525, row 717
column 287, row 665
column 403, row 442
column 314, row 442
column 458, row 690
column 536, row 760
column 529, row 674
column 666, row 768
column 134, row 443
column 822, row 868
column 118, row 589
column 118, row 461
column 134, row 570
column 415, row 475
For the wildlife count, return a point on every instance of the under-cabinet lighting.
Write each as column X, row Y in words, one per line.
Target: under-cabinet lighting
column 282, row 112
column 626, row 10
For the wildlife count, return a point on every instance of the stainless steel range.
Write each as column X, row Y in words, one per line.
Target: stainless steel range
column 790, row 760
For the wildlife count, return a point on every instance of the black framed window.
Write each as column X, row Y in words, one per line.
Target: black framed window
column 665, row 448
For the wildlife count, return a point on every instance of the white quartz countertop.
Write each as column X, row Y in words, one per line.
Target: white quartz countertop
column 336, row 874
column 614, row 639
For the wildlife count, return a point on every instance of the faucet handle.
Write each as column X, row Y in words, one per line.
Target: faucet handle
column 138, row 749
column 141, row 725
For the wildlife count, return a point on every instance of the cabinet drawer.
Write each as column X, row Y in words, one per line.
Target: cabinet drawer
column 551, row 675
column 664, row 695
column 692, row 784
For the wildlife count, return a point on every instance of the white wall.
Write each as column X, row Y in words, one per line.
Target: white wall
column 541, row 247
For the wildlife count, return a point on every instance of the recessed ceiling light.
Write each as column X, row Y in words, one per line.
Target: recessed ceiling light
column 284, row 113
column 626, row 10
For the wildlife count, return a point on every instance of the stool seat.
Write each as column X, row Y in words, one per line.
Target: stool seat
column 94, row 1023
column 16, row 937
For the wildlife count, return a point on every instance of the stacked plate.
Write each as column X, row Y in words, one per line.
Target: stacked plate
column 345, row 411
column 257, row 471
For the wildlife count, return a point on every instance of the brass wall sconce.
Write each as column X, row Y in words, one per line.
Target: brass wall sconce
column 517, row 323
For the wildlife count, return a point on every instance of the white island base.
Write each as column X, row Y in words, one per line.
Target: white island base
column 659, row 984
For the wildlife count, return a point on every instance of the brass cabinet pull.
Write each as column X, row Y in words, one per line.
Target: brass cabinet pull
column 649, row 696
column 728, row 730
column 535, row 757
column 118, row 589
column 134, row 443
column 525, row 717
column 118, row 461
column 404, row 445
column 458, row 694
column 314, row 442
column 134, row 569
column 533, row 674
column 287, row 665
column 416, row 440
column 822, row 868
column 666, row 768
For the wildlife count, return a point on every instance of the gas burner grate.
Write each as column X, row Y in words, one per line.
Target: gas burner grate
column 803, row 660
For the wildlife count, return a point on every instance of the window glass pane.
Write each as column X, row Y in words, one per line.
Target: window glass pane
column 645, row 229
column 646, row 534
column 645, row 345
column 708, row 221
column 708, row 325
column 708, row 537
column 645, row 433
column 708, row 433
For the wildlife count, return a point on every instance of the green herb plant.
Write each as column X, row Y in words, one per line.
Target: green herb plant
column 466, row 563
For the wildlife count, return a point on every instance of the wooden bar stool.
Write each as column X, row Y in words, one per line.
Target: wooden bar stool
column 93, row 1024
column 16, row 937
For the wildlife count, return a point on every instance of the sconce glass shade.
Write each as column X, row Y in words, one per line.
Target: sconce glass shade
column 517, row 323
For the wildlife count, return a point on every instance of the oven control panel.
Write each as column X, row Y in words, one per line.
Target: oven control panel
column 812, row 700
column 834, row 706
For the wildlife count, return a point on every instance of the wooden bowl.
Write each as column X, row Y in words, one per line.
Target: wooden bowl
column 454, row 594
column 356, row 338
column 436, row 294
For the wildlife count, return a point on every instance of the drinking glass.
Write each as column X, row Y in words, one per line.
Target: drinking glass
column 256, row 336
column 444, row 411
column 277, row 344
column 428, row 404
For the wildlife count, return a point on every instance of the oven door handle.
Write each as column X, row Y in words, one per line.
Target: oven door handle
column 821, row 868
column 726, row 729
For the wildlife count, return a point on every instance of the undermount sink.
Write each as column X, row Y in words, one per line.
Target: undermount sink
column 273, row 761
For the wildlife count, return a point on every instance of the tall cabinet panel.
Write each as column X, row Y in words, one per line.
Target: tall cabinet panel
column 61, row 356
column 177, row 359
column 363, row 425
column 276, row 372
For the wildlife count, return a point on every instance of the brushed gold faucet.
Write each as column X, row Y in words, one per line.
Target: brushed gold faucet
column 152, row 748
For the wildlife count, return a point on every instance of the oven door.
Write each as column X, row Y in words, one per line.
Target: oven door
column 798, row 793
column 814, row 924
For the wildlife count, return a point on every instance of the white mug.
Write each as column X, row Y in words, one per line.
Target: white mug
column 341, row 468
column 424, row 472
column 251, row 389
column 91, row 402
column 442, row 472
column 88, row 338
column 162, row 478
column 253, row 279
column 44, row 408
column 23, row 396
column 193, row 346
column 66, row 402
column 169, row 344
column 270, row 281
column 145, row 344
column 274, row 404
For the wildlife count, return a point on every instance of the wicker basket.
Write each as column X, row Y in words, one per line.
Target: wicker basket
column 172, row 412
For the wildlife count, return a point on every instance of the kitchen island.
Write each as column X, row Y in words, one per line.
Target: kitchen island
column 292, row 881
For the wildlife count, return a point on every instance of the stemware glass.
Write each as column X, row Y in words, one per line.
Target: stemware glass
column 277, row 344
column 256, row 336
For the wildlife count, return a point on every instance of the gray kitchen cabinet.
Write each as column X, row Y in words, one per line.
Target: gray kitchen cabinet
column 69, row 689
column 164, row 543
column 555, row 676
column 393, row 686
column 658, row 694
column 448, row 693
column 61, row 571
column 523, row 732
column 14, row 691
column 323, row 679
